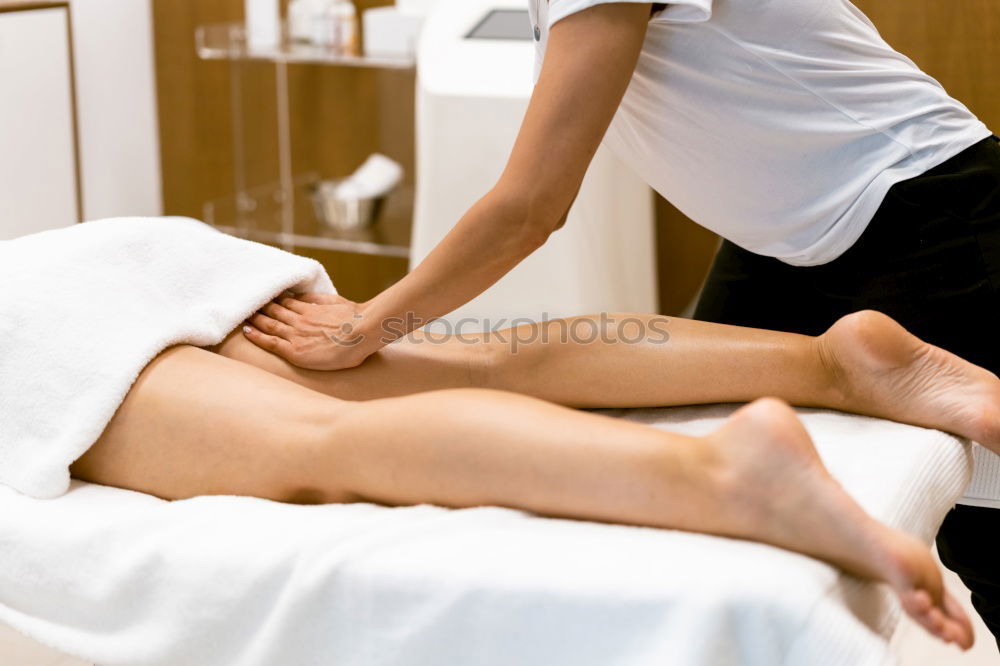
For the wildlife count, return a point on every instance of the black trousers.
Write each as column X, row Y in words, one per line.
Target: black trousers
column 930, row 258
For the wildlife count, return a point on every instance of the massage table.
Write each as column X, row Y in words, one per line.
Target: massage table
column 118, row 577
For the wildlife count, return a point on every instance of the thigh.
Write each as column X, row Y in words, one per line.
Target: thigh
column 195, row 423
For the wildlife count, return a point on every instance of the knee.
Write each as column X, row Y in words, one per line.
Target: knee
column 473, row 361
column 311, row 466
column 487, row 363
column 503, row 361
column 306, row 489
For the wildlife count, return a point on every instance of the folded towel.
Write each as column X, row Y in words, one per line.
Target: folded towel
column 84, row 309
column 378, row 176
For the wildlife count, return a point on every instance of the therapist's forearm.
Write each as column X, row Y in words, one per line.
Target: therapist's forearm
column 499, row 231
column 588, row 65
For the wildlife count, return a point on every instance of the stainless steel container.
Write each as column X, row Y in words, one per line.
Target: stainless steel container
column 340, row 212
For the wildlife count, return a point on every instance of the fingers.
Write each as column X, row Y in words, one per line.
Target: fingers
column 299, row 303
column 270, row 343
column 320, row 299
column 291, row 304
column 271, row 326
column 280, row 313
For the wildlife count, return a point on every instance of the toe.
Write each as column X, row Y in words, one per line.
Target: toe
column 960, row 622
column 920, row 606
column 918, row 602
column 936, row 622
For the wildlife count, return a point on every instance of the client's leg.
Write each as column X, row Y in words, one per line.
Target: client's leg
column 865, row 363
column 196, row 423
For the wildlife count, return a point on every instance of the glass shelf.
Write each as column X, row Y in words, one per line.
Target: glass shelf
column 227, row 41
column 257, row 215
column 281, row 213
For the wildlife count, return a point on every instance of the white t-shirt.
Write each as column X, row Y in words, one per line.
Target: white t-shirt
column 778, row 124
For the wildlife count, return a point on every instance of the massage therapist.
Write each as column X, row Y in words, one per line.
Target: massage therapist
column 840, row 176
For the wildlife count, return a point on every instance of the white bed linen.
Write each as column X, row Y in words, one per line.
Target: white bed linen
column 117, row 577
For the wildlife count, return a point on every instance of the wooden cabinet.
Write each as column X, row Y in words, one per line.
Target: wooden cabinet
column 39, row 179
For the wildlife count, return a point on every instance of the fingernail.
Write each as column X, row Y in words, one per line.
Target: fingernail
column 246, row 330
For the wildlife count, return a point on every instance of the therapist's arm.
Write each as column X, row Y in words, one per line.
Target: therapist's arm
column 588, row 65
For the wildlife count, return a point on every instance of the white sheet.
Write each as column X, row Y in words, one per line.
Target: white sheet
column 984, row 488
column 121, row 578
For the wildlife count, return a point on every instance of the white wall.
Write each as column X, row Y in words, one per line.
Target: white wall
column 116, row 107
column 37, row 165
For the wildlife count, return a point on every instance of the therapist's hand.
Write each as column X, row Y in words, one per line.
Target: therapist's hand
column 313, row 331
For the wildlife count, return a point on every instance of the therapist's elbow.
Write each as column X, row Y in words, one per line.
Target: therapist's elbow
column 541, row 227
column 530, row 220
column 535, row 233
column 561, row 222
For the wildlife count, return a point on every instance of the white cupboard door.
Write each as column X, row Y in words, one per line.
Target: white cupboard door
column 38, row 180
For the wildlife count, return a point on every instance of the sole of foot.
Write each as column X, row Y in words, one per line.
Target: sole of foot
column 885, row 371
column 778, row 491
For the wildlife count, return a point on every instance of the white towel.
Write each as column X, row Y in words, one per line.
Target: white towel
column 84, row 309
column 984, row 489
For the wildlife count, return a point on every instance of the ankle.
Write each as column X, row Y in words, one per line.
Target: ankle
column 699, row 476
column 833, row 380
column 730, row 467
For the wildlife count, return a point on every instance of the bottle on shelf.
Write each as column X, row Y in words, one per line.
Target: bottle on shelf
column 336, row 28
column 330, row 24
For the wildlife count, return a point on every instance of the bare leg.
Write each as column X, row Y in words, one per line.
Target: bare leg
column 196, row 423
column 634, row 361
column 865, row 364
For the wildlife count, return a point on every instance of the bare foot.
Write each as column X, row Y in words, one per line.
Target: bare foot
column 783, row 495
column 885, row 371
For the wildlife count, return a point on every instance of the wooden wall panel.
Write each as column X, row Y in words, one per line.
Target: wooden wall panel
column 957, row 42
column 339, row 117
column 193, row 104
column 342, row 115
